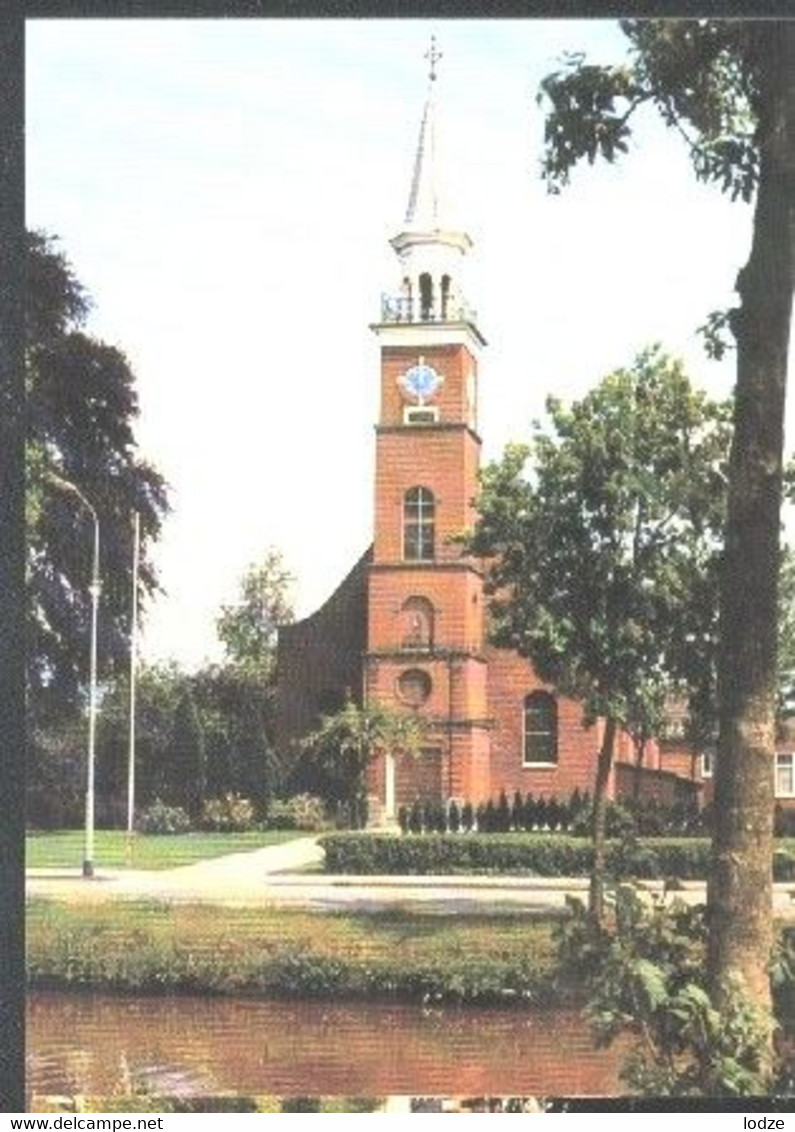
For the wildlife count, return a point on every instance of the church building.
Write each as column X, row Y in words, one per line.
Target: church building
column 408, row 626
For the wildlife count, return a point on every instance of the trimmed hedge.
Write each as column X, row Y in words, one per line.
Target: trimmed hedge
column 549, row 855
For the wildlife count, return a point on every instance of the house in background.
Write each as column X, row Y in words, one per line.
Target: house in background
column 408, row 626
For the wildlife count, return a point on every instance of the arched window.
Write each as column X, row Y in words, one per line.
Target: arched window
column 426, row 297
column 406, row 303
column 540, row 728
column 416, row 623
column 445, row 295
column 419, row 515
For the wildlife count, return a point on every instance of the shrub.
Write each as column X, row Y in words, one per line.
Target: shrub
column 517, row 811
column 644, row 973
column 403, row 818
column 448, row 853
column 415, row 817
column 619, row 821
column 434, row 819
column 453, row 816
column 502, row 814
column 302, row 812
column 538, row 854
column 160, row 818
column 529, row 813
column 230, row 814
column 553, row 814
column 467, row 817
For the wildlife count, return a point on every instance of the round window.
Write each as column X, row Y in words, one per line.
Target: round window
column 414, row 686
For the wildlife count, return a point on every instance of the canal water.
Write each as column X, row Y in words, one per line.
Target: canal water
column 184, row 1046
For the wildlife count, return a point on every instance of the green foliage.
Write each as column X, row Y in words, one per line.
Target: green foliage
column 453, row 817
column 160, row 818
column 502, row 816
column 237, row 710
column 229, row 814
column 415, row 817
column 645, row 976
column 116, row 849
column 235, row 713
column 334, row 758
column 698, row 74
column 248, row 628
column 301, row 812
column 172, row 949
column 82, row 408
column 56, row 777
column 185, row 757
column 538, row 854
column 603, row 554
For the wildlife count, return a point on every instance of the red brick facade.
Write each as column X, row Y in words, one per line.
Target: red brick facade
column 408, row 627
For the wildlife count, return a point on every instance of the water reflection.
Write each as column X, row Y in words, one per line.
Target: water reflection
column 102, row 1044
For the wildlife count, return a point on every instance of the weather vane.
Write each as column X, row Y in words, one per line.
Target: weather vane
column 433, row 56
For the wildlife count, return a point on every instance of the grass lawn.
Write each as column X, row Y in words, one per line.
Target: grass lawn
column 114, row 848
column 157, row 947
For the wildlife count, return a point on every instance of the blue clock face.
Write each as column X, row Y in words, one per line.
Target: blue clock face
column 421, row 381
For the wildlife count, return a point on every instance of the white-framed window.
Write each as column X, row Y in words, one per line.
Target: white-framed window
column 422, row 414
column 540, row 730
column 707, row 764
column 419, row 524
column 785, row 775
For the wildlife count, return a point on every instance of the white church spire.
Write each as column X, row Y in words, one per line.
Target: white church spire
column 430, row 253
column 423, row 207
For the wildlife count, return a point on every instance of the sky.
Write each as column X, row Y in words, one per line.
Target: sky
column 226, row 190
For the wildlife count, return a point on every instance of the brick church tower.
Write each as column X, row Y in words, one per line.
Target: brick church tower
column 407, row 627
column 425, row 621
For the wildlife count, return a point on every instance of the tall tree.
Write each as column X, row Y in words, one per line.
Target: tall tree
column 598, row 554
column 82, row 407
column 728, row 87
column 186, row 765
column 247, row 629
column 237, row 710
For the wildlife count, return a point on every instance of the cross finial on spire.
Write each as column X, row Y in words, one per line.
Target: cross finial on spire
column 433, row 56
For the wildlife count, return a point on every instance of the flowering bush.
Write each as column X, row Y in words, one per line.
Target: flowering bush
column 230, row 814
column 160, row 818
column 302, row 811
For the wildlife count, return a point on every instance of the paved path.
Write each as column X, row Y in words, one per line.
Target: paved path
column 266, row 878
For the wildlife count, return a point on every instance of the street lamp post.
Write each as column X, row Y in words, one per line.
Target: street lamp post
column 94, row 590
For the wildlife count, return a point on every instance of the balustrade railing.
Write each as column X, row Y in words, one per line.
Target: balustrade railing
column 400, row 308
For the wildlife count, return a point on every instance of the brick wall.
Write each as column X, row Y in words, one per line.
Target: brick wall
column 442, row 458
column 454, row 362
column 653, row 785
column 455, row 596
column 511, row 678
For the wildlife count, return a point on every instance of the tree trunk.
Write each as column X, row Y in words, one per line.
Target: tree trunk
column 596, row 891
column 740, row 887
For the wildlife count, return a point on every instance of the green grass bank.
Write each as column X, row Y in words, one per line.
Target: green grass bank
column 157, row 948
column 114, row 848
